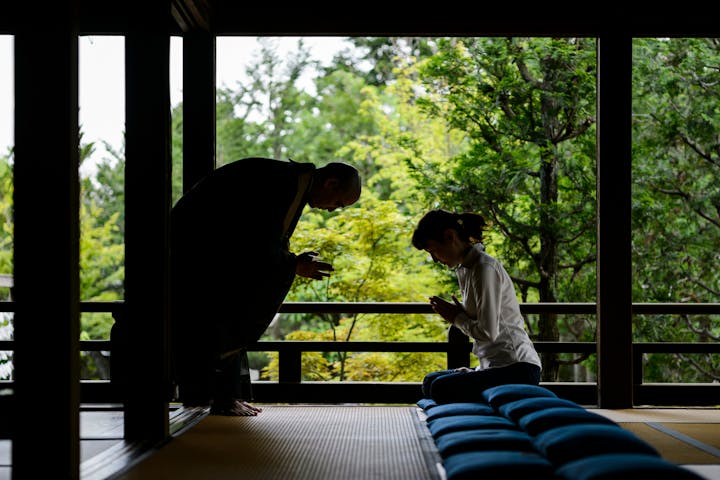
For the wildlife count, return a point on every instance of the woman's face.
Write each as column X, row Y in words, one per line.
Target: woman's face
column 449, row 252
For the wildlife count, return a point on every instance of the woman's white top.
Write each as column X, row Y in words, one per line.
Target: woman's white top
column 492, row 313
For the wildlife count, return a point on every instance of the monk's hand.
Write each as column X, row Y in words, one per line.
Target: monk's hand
column 309, row 266
column 448, row 311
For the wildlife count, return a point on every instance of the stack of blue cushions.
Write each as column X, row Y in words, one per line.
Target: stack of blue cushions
column 519, row 431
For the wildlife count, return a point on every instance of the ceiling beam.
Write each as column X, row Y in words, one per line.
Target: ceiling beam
column 232, row 17
column 192, row 15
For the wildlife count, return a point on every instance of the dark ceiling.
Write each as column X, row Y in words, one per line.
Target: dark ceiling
column 389, row 18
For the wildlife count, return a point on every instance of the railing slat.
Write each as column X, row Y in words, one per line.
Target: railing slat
column 290, row 384
column 564, row 308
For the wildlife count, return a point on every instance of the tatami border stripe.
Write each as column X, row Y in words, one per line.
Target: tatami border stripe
column 432, row 457
column 684, row 438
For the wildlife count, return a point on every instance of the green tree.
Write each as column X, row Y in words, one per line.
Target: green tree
column 527, row 106
column 368, row 246
column 176, row 152
column 6, row 258
column 382, row 53
column 676, row 196
column 6, row 216
column 104, row 188
column 259, row 117
column 102, row 250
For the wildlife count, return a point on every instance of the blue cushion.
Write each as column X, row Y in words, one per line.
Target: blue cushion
column 623, row 466
column 542, row 420
column 519, row 408
column 455, row 423
column 502, row 394
column 479, row 440
column 426, row 403
column 565, row 444
column 497, row 465
column 460, row 408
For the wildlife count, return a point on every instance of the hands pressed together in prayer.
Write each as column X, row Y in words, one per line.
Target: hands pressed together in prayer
column 309, row 266
column 448, row 311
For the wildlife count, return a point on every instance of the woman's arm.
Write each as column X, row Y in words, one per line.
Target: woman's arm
column 483, row 296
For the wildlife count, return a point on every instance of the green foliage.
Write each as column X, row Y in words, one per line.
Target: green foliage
column 101, row 254
column 527, row 106
column 6, row 258
column 676, row 196
column 340, row 116
column 376, row 366
column 501, row 126
column 369, row 245
column 6, row 217
column 102, row 250
column 102, row 238
column 382, row 53
column 260, row 118
column 676, row 202
column 176, row 152
column 369, row 248
column 527, row 109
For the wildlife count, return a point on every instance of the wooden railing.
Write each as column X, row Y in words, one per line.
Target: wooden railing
column 291, row 389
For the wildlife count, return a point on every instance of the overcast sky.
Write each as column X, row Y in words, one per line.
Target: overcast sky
column 102, row 79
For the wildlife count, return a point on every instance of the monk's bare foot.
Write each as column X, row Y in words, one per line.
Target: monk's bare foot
column 246, row 405
column 235, row 408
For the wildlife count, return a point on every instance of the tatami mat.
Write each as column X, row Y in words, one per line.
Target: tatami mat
column 340, row 442
column 686, row 436
column 671, row 448
column 298, row 442
column 663, row 415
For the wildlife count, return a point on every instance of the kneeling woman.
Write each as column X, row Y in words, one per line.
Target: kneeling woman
column 489, row 312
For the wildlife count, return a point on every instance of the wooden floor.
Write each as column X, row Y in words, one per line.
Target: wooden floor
column 103, row 451
column 336, row 441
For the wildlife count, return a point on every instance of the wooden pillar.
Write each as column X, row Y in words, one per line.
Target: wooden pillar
column 198, row 106
column 147, row 209
column 46, row 243
column 614, row 188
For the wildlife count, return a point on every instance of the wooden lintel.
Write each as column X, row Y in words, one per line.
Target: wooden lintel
column 191, row 14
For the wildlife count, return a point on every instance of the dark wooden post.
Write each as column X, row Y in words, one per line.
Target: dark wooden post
column 198, row 106
column 614, row 264
column 46, row 241
column 147, row 211
column 290, row 365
